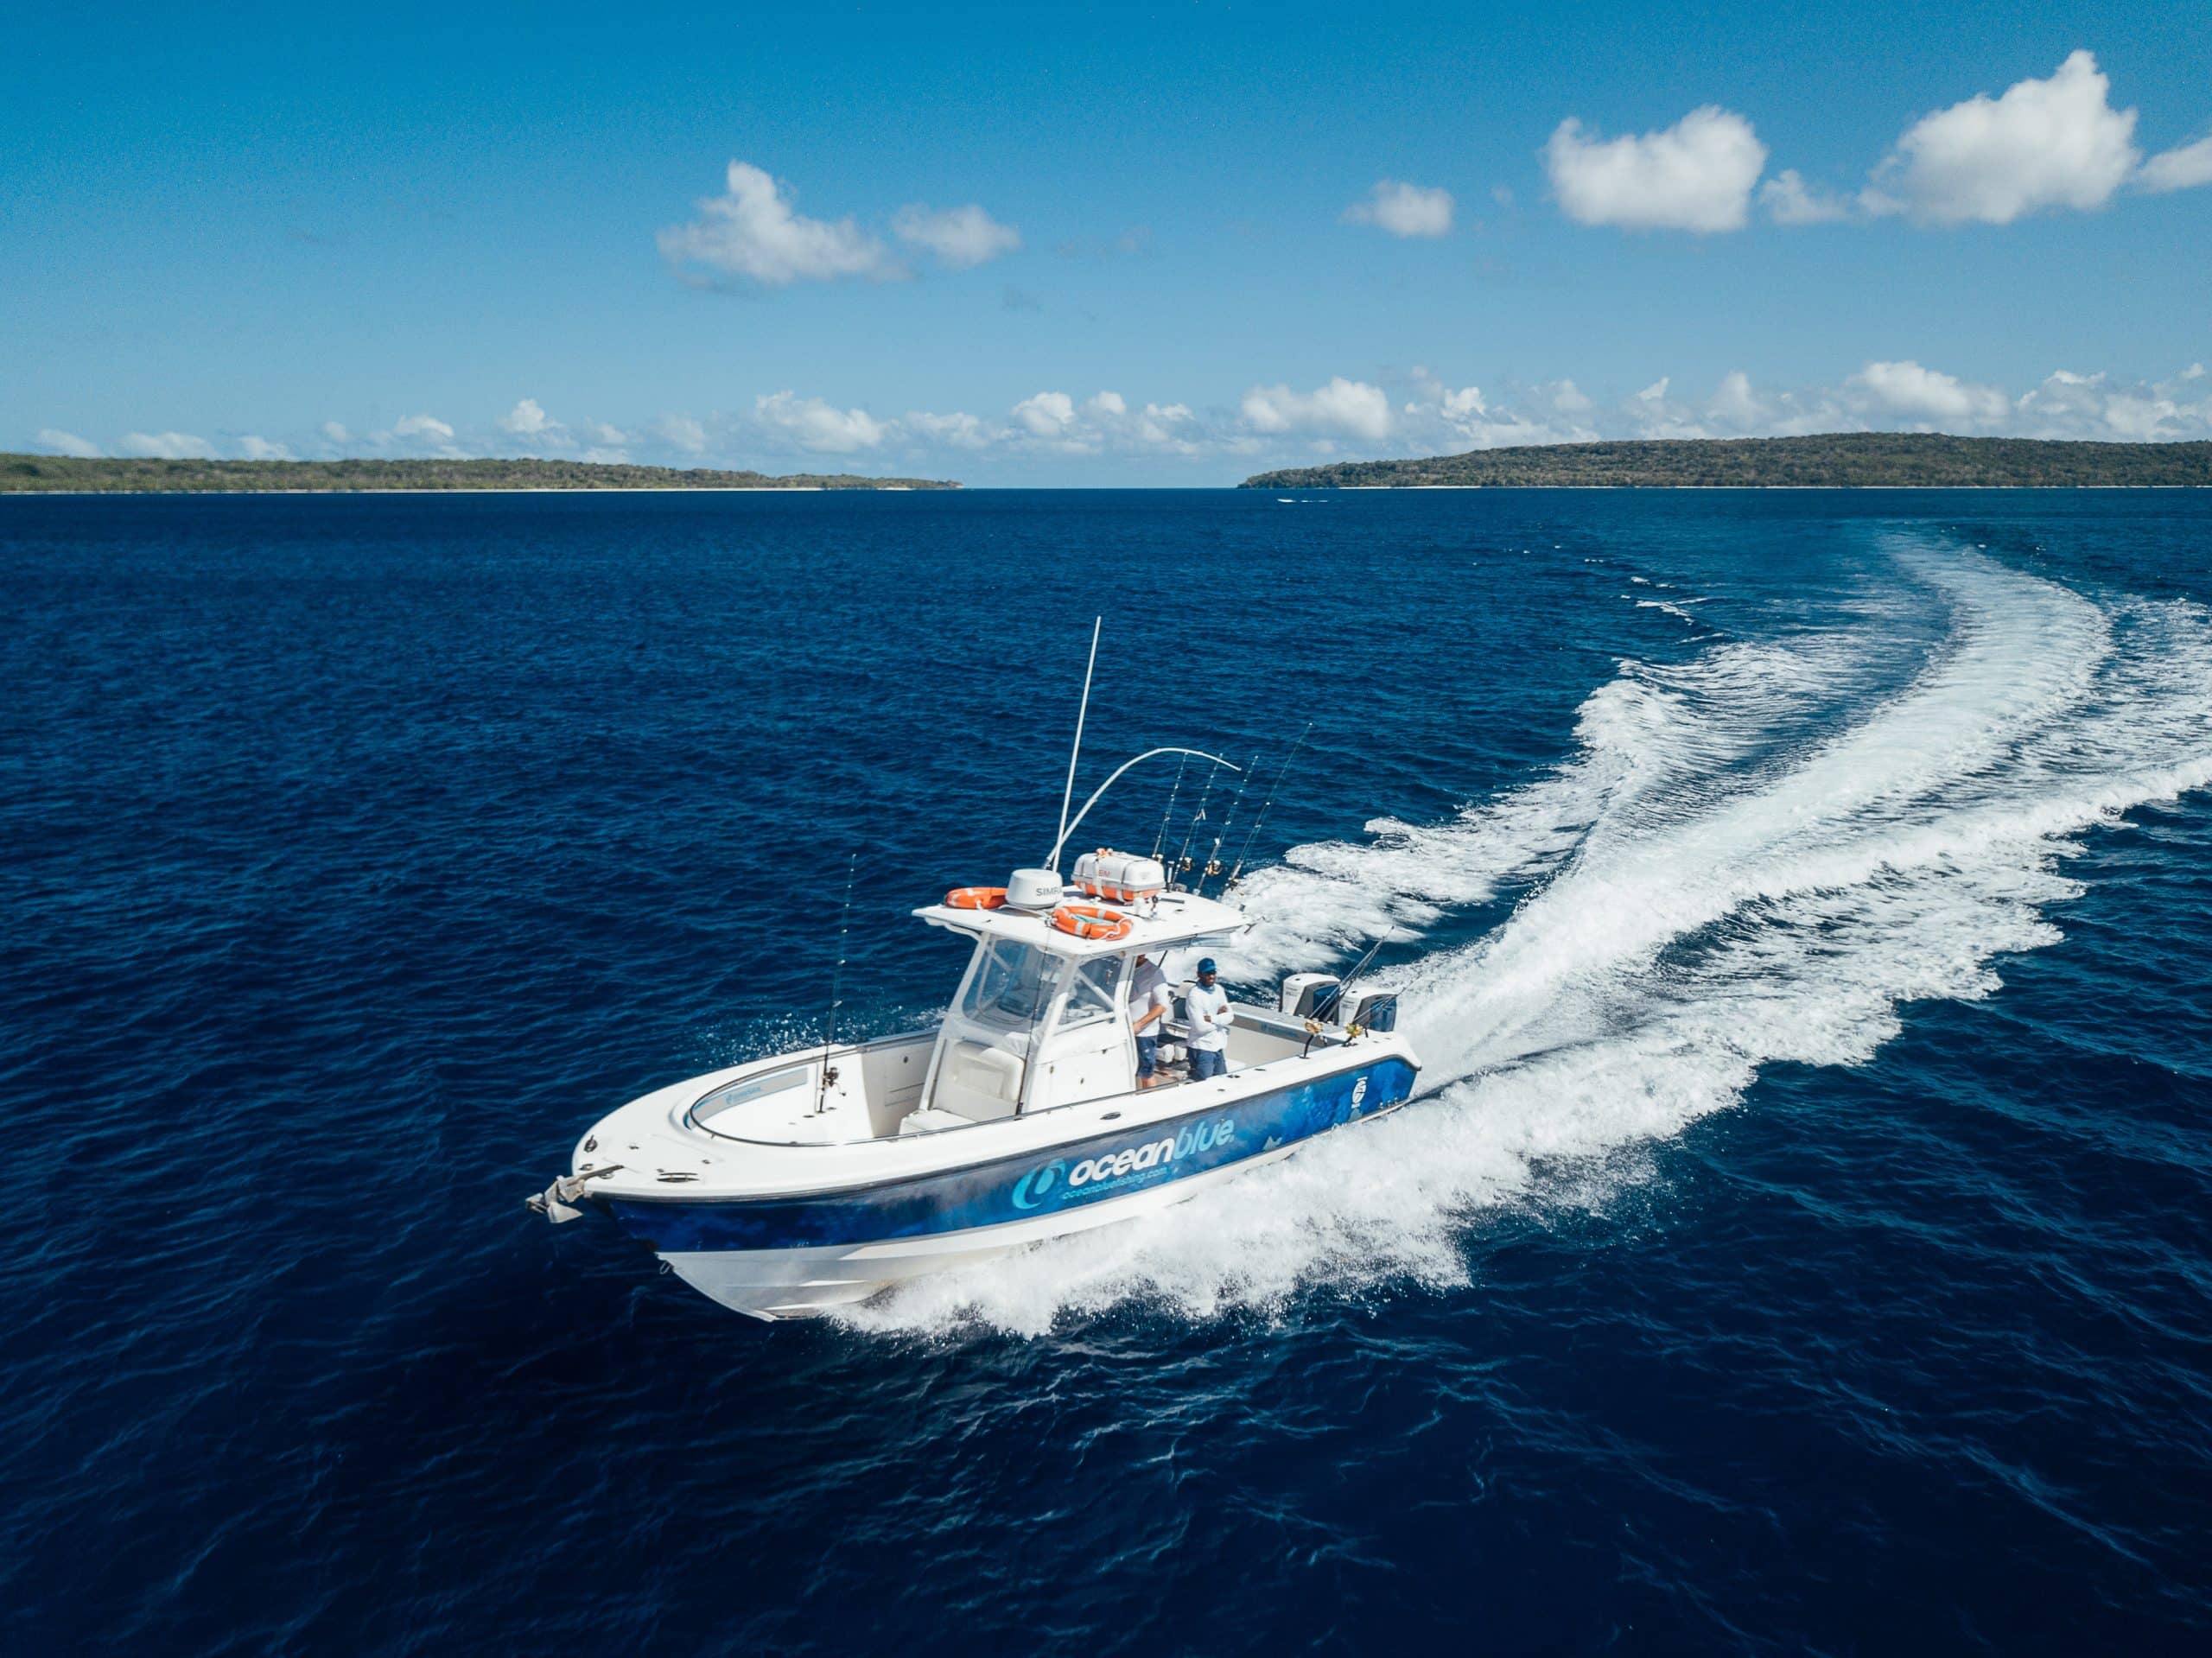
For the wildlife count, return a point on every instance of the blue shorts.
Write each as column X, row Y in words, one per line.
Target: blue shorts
column 1147, row 1055
column 1208, row 1062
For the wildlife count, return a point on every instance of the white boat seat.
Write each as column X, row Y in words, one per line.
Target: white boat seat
column 929, row 1120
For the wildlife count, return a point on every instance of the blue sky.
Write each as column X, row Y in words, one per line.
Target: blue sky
column 1038, row 245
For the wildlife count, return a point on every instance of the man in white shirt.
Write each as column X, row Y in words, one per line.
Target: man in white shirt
column 1210, row 1017
column 1149, row 1001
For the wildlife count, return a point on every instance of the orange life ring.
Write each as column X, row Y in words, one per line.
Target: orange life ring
column 975, row 898
column 1090, row 921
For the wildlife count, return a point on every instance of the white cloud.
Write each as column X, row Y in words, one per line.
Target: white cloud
column 167, row 446
column 1694, row 175
column 750, row 231
column 2067, row 404
column 1351, row 407
column 960, row 431
column 422, row 426
column 1657, row 391
column 1109, row 402
column 336, row 432
column 2180, row 169
column 1789, row 201
column 2044, row 143
column 960, row 237
column 1734, row 404
column 526, row 419
column 1161, row 426
column 1048, row 414
column 1565, row 396
column 1908, row 388
column 600, row 432
column 680, row 432
column 1403, row 209
column 1465, row 404
column 260, row 448
column 61, row 442
column 816, row 425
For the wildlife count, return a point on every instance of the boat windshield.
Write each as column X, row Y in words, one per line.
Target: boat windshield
column 1013, row 986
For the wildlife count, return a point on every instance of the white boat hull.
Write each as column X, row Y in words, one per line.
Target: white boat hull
column 779, row 1284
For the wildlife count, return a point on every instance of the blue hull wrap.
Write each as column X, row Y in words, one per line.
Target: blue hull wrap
column 1032, row 1186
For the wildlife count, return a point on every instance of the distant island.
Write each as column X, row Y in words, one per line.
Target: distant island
column 1837, row 460
column 22, row 473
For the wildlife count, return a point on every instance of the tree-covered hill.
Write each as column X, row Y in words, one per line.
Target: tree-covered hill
column 40, row 473
column 1836, row 460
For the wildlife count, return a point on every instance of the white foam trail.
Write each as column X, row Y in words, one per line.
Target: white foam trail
column 1709, row 897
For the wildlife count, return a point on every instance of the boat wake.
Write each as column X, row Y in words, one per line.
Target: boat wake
column 1752, row 858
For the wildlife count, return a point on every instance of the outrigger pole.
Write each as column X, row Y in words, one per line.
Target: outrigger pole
column 1067, row 795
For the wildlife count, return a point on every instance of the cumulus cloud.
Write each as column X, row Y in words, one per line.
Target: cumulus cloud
column 1048, row 414
column 2044, row 143
column 816, row 425
column 527, row 419
column 1927, row 394
column 336, row 432
column 1403, row 209
column 1351, row 408
column 958, row 431
column 1789, row 201
column 752, row 231
column 260, row 448
column 1695, row 175
column 2180, row 169
column 959, row 237
column 57, row 441
column 167, row 446
column 1735, row 405
column 680, row 432
column 412, row 426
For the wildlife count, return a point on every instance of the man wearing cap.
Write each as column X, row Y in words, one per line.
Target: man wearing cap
column 1210, row 1018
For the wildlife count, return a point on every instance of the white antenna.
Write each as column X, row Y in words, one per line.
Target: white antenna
column 1067, row 796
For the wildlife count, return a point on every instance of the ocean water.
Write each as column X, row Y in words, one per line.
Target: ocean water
column 1802, row 903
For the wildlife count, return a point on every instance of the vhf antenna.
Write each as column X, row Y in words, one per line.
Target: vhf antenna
column 1238, row 869
column 1067, row 796
column 836, row 991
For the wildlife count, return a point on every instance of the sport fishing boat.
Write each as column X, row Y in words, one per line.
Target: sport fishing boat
column 813, row 1179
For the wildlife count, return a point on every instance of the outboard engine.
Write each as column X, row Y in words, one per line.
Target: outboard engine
column 1375, row 1010
column 1311, row 995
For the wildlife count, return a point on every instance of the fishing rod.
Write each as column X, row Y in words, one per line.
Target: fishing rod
column 1266, row 804
column 1213, row 858
column 836, row 992
column 1183, row 858
column 1328, row 1007
column 1334, row 1001
column 1159, row 840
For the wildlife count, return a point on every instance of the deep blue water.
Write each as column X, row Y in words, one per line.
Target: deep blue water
column 1807, row 925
